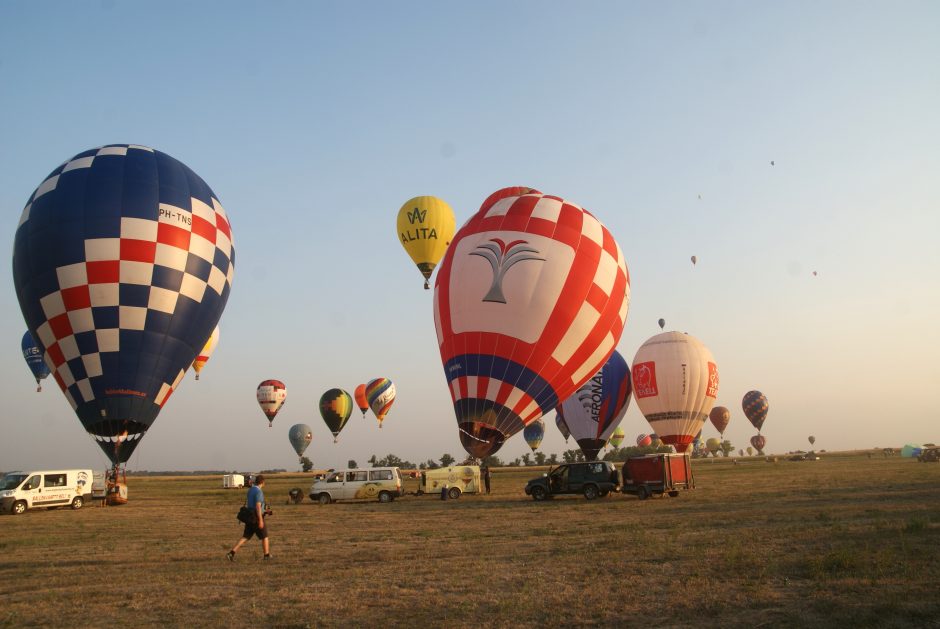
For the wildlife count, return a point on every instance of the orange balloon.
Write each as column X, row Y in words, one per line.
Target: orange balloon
column 361, row 400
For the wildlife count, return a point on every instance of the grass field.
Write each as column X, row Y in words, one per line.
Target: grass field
column 845, row 541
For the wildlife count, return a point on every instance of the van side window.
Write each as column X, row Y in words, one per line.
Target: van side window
column 32, row 483
column 357, row 476
column 335, row 478
column 54, row 480
column 380, row 474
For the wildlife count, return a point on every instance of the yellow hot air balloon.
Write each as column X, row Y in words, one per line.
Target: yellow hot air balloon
column 203, row 357
column 425, row 227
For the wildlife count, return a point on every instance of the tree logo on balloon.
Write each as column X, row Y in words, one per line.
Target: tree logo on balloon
column 502, row 257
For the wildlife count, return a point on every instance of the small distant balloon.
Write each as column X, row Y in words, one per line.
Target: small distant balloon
column 335, row 408
column 694, row 260
column 814, row 273
column 203, row 357
column 533, row 434
column 772, row 162
column 643, row 440
column 662, row 324
column 34, row 359
column 812, row 440
column 361, row 401
column 271, row 395
column 562, row 425
column 300, row 437
column 381, row 395
column 759, row 442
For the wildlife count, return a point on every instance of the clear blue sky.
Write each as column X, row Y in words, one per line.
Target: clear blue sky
column 314, row 122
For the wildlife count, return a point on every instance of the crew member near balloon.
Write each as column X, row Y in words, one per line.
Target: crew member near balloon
column 256, row 527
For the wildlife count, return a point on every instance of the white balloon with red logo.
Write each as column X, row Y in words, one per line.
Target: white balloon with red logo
column 675, row 384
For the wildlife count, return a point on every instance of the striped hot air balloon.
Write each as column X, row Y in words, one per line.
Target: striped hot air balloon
column 381, row 395
column 335, row 407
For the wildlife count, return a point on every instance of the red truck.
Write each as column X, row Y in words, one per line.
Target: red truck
column 657, row 474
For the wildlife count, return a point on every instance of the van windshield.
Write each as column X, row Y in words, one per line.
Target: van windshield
column 11, row 481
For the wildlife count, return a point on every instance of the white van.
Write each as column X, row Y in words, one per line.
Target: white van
column 378, row 483
column 20, row 491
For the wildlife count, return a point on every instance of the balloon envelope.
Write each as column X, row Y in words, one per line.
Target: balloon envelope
column 617, row 437
column 534, row 433
column 33, row 355
column 755, row 407
column 271, row 395
column 203, row 356
column 720, row 416
column 694, row 260
column 425, row 227
column 598, row 406
column 300, row 437
column 675, row 381
column 713, row 444
column 122, row 262
column 529, row 302
column 381, row 395
column 662, row 324
column 361, row 401
column 643, row 440
column 759, row 441
column 562, row 426
column 812, row 440
column 335, row 407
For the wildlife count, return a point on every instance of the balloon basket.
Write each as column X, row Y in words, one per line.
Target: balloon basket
column 197, row 376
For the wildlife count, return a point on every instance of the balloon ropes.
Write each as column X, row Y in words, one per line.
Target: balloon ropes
column 203, row 357
column 361, row 400
column 335, row 407
column 755, row 407
column 534, row 433
column 300, row 437
column 512, row 345
column 34, row 357
column 425, row 226
column 271, row 395
column 380, row 394
column 122, row 262
column 675, row 381
column 597, row 408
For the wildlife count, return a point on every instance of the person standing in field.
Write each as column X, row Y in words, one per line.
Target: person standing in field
column 256, row 527
column 486, row 478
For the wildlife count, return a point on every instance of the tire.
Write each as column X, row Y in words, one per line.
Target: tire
column 590, row 492
column 77, row 502
column 385, row 497
column 19, row 507
column 324, row 499
column 673, row 494
column 453, row 493
column 642, row 492
column 313, row 497
column 539, row 494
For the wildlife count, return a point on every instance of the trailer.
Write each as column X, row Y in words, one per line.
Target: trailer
column 660, row 474
column 233, row 481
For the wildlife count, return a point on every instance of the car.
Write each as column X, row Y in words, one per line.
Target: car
column 590, row 478
column 929, row 455
column 378, row 483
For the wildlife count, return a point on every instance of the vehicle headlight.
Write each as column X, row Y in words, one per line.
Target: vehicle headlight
column 6, row 493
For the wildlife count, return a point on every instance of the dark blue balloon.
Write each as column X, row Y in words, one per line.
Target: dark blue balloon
column 33, row 354
column 122, row 264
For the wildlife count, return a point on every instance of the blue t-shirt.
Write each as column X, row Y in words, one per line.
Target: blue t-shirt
column 255, row 497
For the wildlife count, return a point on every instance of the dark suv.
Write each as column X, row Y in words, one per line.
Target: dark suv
column 929, row 455
column 592, row 478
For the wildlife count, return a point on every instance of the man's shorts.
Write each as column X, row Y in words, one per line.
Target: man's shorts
column 252, row 529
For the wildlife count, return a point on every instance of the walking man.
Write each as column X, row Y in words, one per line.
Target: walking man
column 486, row 478
column 257, row 526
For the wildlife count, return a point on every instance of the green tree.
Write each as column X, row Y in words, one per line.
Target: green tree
column 431, row 464
column 373, row 461
column 492, row 461
column 553, row 459
column 527, row 459
column 540, row 458
column 727, row 447
column 351, row 464
column 306, row 464
column 447, row 460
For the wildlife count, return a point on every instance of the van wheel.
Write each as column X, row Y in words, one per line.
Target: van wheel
column 453, row 493
column 19, row 507
column 77, row 502
column 590, row 492
column 324, row 499
column 643, row 492
column 538, row 493
column 384, row 496
column 313, row 497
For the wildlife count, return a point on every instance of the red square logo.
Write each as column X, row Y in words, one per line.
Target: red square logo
column 712, row 389
column 644, row 380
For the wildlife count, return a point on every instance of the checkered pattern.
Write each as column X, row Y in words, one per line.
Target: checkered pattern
column 123, row 262
column 508, row 375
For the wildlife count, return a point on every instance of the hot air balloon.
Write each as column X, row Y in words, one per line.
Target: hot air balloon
column 814, row 273
column 617, row 437
column 534, row 433
column 529, row 302
column 644, row 440
column 655, row 441
column 750, row 450
column 662, row 324
column 597, row 407
column 381, row 395
column 300, row 437
column 361, row 401
column 812, row 440
column 34, row 359
column 335, row 406
column 741, row 452
column 720, row 417
column 562, row 426
column 759, row 441
column 122, row 264
column 425, row 227
column 203, row 357
column 511, row 191
column 755, row 407
column 714, row 445
column 694, row 260
column 675, row 381
column 271, row 396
